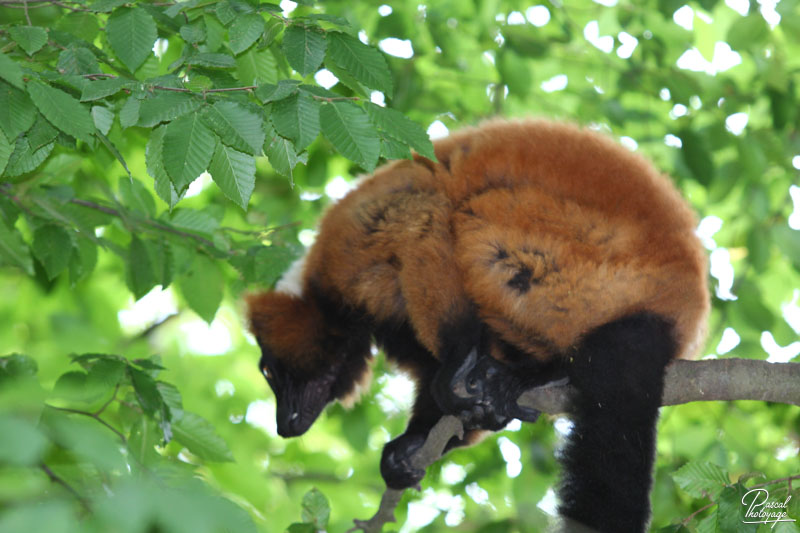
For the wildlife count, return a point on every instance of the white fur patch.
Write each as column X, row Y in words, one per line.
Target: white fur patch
column 292, row 280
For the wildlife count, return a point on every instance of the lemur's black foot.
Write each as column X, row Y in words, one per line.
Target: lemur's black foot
column 482, row 392
column 396, row 468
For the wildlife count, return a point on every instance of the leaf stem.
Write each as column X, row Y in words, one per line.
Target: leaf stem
column 55, row 478
column 91, row 415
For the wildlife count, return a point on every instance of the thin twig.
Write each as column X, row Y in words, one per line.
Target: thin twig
column 776, row 481
column 91, row 415
column 105, row 405
column 55, row 478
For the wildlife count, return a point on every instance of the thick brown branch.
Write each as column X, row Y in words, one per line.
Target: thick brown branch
column 699, row 381
column 686, row 381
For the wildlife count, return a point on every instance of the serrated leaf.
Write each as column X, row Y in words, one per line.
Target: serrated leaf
column 131, row 32
column 52, row 246
column 113, row 149
column 5, row 152
column 103, row 118
column 297, row 118
column 146, row 390
column 212, row 61
column 400, row 127
column 165, row 107
column 316, row 509
column 234, row 173
column 30, row 38
column 140, row 276
column 13, row 250
column 62, row 111
column 700, row 478
column 245, row 30
column 282, row 155
column 271, row 262
column 304, row 47
column 187, row 150
column 94, row 90
column 11, row 71
column 17, row 112
column 200, row 437
column 394, row 149
column 193, row 33
column 256, row 67
column 202, row 287
column 348, row 128
column 106, row 6
column 77, row 60
column 364, row 62
column 236, row 126
column 155, row 167
column 80, row 24
column 25, row 157
column 270, row 92
column 129, row 114
column 82, row 261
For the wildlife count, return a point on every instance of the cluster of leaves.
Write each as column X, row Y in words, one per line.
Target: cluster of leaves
column 111, row 427
column 221, row 96
column 730, row 503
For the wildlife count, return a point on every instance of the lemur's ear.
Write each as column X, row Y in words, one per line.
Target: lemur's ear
column 289, row 326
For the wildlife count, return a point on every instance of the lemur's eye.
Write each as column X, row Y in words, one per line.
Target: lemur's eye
column 266, row 372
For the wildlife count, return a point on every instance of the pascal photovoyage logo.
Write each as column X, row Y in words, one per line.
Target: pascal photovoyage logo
column 762, row 510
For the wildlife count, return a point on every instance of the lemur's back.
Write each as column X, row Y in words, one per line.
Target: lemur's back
column 548, row 229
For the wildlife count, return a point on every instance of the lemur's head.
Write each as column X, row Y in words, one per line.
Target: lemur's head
column 306, row 365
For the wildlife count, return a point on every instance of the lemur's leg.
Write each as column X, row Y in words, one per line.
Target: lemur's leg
column 402, row 347
column 618, row 372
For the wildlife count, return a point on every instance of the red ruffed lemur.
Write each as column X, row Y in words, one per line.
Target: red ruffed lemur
column 529, row 252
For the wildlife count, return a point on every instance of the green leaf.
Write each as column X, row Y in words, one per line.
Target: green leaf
column 113, row 149
column 11, row 71
column 17, row 112
column 30, row 38
column 282, row 155
column 26, row 157
column 304, row 47
column 699, row 478
column 80, row 24
column 147, row 393
column 270, row 93
column 52, row 246
column 21, row 443
column 155, row 167
column 129, row 114
column 106, row 6
column 94, row 90
column 202, row 287
column 77, row 60
column 348, row 128
column 13, row 249
column 62, row 111
column 140, row 276
column 103, row 118
column 245, row 30
column 398, row 126
column 748, row 32
column 297, row 118
column 236, row 126
column 200, row 437
column 256, row 67
column 187, row 150
column 394, row 149
column 5, row 152
column 212, row 61
column 235, row 174
column 731, row 510
column 193, row 33
column 82, row 261
column 166, row 106
column 365, row 63
column 697, row 155
column 131, row 32
column 316, row 509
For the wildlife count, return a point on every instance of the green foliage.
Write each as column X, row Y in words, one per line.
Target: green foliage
column 106, row 148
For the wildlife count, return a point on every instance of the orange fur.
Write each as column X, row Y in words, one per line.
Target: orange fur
column 549, row 230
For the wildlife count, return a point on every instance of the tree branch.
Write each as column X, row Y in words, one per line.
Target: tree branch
column 685, row 382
